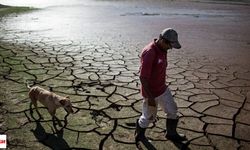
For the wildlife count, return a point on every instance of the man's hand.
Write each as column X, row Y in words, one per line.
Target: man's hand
column 145, row 85
column 151, row 102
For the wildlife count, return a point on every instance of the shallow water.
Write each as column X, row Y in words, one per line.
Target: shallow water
column 86, row 18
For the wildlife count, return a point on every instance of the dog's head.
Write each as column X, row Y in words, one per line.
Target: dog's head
column 66, row 104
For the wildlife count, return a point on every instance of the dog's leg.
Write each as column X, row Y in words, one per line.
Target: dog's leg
column 59, row 121
column 31, row 111
column 52, row 113
column 34, row 102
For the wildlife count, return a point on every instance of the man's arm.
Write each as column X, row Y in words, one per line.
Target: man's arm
column 145, row 86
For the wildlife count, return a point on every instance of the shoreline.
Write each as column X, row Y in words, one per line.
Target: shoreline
column 3, row 6
column 7, row 10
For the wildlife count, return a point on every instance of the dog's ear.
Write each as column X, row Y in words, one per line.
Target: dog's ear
column 62, row 102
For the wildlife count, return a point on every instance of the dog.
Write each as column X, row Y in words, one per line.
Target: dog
column 50, row 100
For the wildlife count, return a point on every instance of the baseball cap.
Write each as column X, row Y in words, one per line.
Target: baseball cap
column 172, row 36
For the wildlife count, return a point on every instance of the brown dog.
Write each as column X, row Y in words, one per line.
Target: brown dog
column 50, row 100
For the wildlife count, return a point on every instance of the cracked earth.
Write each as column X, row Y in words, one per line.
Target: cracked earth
column 102, row 82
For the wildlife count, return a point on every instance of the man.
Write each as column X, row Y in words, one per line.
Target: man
column 153, row 87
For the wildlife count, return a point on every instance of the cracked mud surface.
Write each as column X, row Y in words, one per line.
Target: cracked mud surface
column 103, row 85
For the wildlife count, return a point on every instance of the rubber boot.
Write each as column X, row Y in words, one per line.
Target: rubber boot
column 139, row 133
column 171, row 131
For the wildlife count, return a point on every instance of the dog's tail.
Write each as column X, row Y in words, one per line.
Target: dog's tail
column 27, row 84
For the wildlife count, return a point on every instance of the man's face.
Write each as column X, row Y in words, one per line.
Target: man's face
column 165, row 45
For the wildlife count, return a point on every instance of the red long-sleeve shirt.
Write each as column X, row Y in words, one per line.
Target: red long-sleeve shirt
column 153, row 68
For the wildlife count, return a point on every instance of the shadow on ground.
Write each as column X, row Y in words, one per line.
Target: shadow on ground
column 54, row 141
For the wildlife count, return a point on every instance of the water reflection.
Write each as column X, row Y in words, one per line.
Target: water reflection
column 68, row 20
column 77, row 19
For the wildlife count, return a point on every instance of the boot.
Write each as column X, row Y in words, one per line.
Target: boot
column 171, row 131
column 139, row 133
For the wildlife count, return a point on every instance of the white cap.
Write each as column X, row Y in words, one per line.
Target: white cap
column 171, row 35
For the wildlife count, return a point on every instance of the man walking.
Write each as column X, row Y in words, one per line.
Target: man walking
column 153, row 87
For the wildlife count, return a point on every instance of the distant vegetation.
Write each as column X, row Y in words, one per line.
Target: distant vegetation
column 6, row 10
